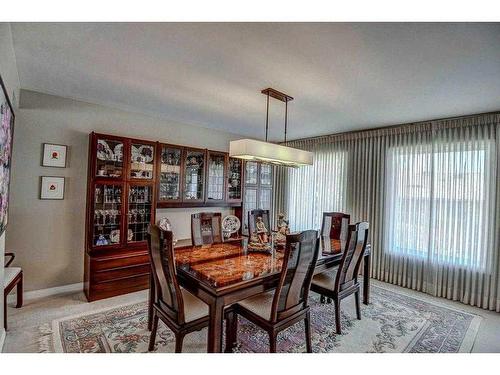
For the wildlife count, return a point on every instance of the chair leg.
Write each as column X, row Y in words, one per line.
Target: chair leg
column 307, row 323
column 20, row 292
column 154, row 328
column 336, row 302
column 231, row 331
column 358, row 309
column 179, row 339
column 5, row 311
column 272, row 341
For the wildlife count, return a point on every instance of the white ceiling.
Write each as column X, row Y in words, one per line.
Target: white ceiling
column 342, row 76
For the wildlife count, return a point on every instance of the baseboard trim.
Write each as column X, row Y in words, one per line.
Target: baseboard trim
column 70, row 288
column 2, row 339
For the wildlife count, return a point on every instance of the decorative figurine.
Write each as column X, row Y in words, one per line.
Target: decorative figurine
column 283, row 229
column 101, row 241
column 259, row 239
column 261, row 230
column 164, row 224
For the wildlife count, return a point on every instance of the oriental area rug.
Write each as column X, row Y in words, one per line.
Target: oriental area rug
column 393, row 322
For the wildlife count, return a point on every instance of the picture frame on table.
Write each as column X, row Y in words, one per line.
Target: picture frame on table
column 7, row 117
column 54, row 155
column 52, row 188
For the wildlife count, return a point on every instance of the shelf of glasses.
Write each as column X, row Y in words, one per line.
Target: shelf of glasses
column 139, row 212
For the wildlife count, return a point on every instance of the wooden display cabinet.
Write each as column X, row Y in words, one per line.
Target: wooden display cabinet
column 121, row 202
column 192, row 177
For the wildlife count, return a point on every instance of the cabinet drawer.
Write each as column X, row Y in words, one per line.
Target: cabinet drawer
column 113, row 263
column 120, row 273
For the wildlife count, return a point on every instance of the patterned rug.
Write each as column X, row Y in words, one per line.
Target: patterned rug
column 393, row 322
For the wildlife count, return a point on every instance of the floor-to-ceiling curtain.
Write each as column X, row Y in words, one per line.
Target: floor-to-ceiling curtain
column 430, row 192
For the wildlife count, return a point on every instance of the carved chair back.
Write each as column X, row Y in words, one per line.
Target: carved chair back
column 168, row 294
column 301, row 254
column 206, row 228
column 347, row 274
column 253, row 215
column 335, row 225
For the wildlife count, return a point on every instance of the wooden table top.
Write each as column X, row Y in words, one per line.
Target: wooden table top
column 226, row 264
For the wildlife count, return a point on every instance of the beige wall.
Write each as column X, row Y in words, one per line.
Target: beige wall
column 49, row 235
column 8, row 71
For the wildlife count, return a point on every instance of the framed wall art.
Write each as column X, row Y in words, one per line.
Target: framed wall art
column 6, row 137
column 54, row 155
column 51, row 187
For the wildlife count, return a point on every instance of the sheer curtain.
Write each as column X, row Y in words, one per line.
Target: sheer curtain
column 431, row 193
column 314, row 189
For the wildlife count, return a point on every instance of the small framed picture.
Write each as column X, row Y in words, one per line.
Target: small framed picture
column 54, row 155
column 51, row 187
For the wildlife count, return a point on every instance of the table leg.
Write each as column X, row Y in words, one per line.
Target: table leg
column 150, row 302
column 216, row 311
column 366, row 279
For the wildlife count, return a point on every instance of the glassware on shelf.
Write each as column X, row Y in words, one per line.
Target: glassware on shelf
column 107, row 219
column 216, row 163
column 170, row 173
column 139, row 212
column 234, row 179
column 141, row 161
column 194, row 165
column 109, row 158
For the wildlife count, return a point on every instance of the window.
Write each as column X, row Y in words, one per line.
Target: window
column 258, row 189
column 437, row 200
column 314, row 189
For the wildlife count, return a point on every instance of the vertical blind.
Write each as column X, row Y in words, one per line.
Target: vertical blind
column 430, row 192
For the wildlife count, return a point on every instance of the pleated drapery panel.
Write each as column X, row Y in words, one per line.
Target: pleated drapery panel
column 430, row 192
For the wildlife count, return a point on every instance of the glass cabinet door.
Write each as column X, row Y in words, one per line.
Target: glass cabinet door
column 141, row 161
column 109, row 158
column 216, row 176
column 139, row 210
column 194, row 165
column 234, row 179
column 107, row 214
column 170, row 174
column 251, row 172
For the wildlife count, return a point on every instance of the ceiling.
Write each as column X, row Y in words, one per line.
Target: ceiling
column 343, row 76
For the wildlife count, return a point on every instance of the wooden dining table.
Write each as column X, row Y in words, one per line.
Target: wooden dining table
column 225, row 273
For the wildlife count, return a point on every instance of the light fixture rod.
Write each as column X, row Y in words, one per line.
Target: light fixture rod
column 286, row 116
column 267, row 115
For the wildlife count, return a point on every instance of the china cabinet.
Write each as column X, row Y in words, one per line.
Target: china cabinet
column 127, row 180
column 191, row 177
column 120, row 205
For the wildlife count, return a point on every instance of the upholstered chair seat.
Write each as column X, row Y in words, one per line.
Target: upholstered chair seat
column 194, row 308
column 260, row 304
column 10, row 274
column 325, row 280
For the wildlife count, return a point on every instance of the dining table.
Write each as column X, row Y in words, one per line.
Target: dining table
column 225, row 273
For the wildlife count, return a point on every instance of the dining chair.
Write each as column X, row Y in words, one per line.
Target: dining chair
column 206, row 228
column 335, row 225
column 181, row 311
column 253, row 227
column 276, row 310
column 13, row 277
column 343, row 281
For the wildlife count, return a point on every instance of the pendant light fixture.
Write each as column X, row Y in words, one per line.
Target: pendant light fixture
column 267, row 152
